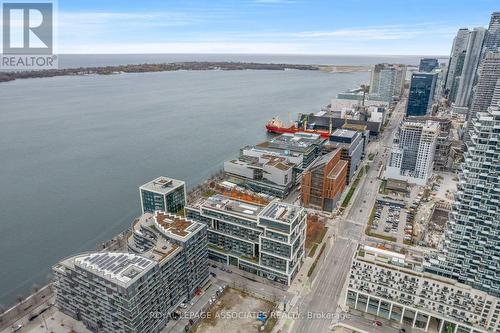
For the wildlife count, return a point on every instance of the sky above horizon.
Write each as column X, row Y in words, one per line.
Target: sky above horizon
column 357, row 27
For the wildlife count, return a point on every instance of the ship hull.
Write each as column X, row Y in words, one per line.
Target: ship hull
column 293, row 129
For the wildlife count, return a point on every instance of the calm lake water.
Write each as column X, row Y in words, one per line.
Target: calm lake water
column 74, row 150
column 83, row 60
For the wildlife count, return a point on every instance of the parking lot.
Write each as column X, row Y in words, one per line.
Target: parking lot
column 391, row 220
column 234, row 312
column 187, row 314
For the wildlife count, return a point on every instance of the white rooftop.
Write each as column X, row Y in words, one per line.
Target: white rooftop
column 281, row 211
column 162, row 185
column 223, row 203
column 120, row 268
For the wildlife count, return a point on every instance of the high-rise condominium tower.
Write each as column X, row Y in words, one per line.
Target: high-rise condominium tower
column 472, row 240
column 488, row 79
column 386, row 81
column 456, row 58
column 469, row 70
column 492, row 41
column 412, row 153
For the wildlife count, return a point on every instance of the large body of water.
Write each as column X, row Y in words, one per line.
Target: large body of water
column 74, row 60
column 74, row 150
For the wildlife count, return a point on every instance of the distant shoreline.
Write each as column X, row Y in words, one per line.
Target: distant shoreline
column 165, row 67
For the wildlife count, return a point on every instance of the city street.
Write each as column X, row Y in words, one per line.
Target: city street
column 326, row 290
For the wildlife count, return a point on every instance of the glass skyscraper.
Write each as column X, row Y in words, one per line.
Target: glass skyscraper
column 428, row 64
column 421, row 95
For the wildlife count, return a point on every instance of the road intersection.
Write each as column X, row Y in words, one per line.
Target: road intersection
column 325, row 292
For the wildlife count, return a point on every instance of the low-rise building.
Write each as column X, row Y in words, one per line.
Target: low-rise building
column 160, row 235
column 164, row 194
column 111, row 292
column 266, row 240
column 307, row 144
column 255, row 151
column 345, row 111
column 363, row 130
column 324, row 181
column 136, row 291
column 351, row 144
column 376, row 114
column 269, row 174
column 293, row 157
column 393, row 285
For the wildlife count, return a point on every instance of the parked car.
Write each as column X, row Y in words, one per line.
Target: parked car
column 17, row 328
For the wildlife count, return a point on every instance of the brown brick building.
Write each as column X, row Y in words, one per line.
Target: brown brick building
column 323, row 181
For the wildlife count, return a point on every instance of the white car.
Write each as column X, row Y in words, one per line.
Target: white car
column 17, row 327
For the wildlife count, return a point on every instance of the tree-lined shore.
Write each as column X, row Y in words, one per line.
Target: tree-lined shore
column 193, row 66
column 142, row 68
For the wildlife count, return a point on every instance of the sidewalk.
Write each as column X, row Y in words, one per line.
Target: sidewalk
column 200, row 304
column 302, row 284
column 366, row 325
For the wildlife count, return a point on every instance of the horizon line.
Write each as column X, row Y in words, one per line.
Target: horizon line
column 267, row 54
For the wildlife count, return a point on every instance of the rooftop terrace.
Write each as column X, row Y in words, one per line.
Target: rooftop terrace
column 337, row 104
column 277, row 162
column 162, row 185
column 394, row 255
column 344, row 133
column 281, row 211
column 337, row 169
column 223, row 203
column 119, row 268
column 298, row 141
column 355, row 127
column 280, row 163
column 174, row 226
column 162, row 246
column 259, row 149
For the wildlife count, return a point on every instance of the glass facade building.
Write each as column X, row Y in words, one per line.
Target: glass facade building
column 163, row 194
column 428, row 64
column 421, row 95
column 267, row 241
column 167, row 264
